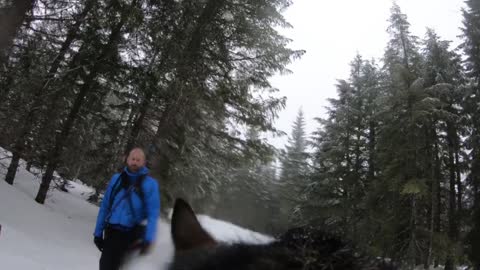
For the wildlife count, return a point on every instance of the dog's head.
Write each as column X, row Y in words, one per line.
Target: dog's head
column 195, row 249
column 304, row 248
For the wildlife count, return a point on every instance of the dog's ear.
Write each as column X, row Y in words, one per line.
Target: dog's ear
column 187, row 233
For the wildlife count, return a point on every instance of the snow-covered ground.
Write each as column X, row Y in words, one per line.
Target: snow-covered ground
column 58, row 235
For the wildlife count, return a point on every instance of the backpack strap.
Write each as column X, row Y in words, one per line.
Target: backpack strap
column 119, row 184
column 138, row 187
column 116, row 188
column 122, row 182
column 139, row 190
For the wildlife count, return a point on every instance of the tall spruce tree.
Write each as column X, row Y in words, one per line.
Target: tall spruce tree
column 443, row 75
column 294, row 169
column 405, row 115
column 471, row 39
column 344, row 158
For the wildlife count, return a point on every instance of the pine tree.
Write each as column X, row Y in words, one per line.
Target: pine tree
column 471, row 39
column 294, row 165
column 294, row 170
column 176, row 77
column 39, row 90
column 227, row 67
column 250, row 183
column 107, row 51
column 406, row 115
column 402, row 58
column 444, row 78
column 344, row 158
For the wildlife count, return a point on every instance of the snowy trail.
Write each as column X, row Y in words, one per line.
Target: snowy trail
column 59, row 234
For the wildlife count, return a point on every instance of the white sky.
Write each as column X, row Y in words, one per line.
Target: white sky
column 332, row 32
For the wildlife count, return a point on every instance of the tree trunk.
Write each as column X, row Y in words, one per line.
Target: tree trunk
column 48, row 121
column 173, row 122
column 55, row 153
column 137, row 125
column 125, row 138
column 432, row 157
column 29, row 166
column 412, row 250
column 459, row 184
column 45, row 184
column 11, row 19
column 29, row 119
column 474, row 234
column 5, row 87
column 371, row 150
column 452, row 225
column 12, row 168
column 459, row 213
column 437, row 222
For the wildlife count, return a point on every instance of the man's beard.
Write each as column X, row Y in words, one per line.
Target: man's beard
column 133, row 168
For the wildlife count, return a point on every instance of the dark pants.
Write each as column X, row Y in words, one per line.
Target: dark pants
column 116, row 246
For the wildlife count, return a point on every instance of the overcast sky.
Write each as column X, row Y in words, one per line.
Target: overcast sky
column 332, row 32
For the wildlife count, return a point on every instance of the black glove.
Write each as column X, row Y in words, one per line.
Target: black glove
column 98, row 242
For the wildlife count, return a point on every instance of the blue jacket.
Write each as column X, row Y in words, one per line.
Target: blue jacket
column 127, row 209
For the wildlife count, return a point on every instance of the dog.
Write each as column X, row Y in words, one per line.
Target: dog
column 298, row 249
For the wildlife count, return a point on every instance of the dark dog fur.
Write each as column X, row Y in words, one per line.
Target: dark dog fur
column 303, row 248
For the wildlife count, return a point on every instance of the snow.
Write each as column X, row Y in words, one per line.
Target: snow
column 77, row 188
column 58, row 234
column 229, row 233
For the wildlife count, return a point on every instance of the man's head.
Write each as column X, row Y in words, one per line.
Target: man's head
column 136, row 159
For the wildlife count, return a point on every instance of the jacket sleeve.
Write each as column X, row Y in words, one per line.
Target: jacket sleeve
column 152, row 201
column 104, row 206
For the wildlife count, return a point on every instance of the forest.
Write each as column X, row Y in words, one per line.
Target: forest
column 393, row 166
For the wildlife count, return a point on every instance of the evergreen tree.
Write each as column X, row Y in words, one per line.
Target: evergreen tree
column 471, row 39
column 236, row 78
column 406, row 114
column 88, row 79
column 294, row 171
column 250, row 183
column 344, row 158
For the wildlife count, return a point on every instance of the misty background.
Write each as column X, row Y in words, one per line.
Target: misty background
column 374, row 136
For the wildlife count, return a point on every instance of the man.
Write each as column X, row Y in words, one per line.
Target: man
column 131, row 198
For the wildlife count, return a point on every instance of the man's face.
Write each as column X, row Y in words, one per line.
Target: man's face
column 135, row 160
